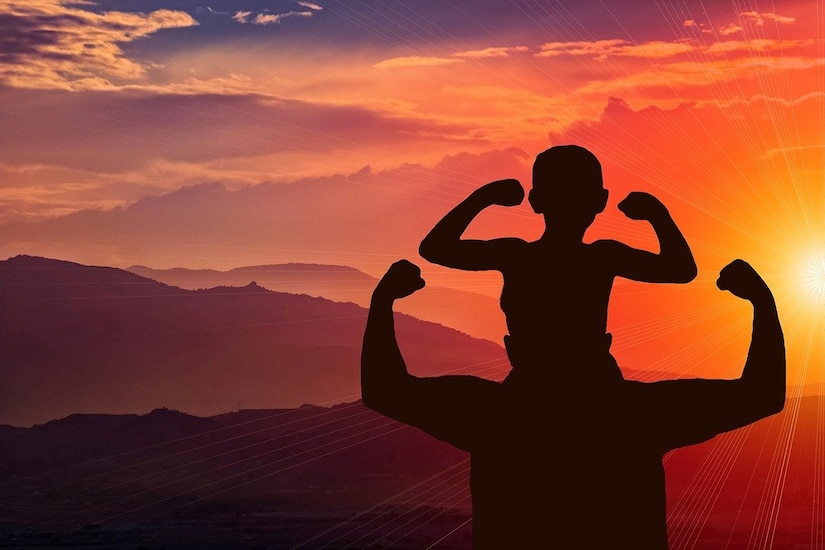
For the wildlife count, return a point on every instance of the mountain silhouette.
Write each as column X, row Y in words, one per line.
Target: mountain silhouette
column 289, row 472
column 102, row 340
column 475, row 314
column 294, row 473
column 334, row 282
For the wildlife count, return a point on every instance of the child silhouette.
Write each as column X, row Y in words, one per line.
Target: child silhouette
column 556, row 289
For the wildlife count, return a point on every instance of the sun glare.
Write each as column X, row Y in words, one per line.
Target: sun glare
column 802, row 282
column 813, row 279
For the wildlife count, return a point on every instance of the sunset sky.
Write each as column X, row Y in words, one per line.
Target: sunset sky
column 217, row 134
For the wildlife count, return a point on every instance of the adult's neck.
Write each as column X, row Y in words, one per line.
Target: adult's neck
column 562, row 236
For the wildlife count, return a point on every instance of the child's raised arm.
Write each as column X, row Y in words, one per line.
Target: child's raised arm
column 673, row 264
column 443, row 244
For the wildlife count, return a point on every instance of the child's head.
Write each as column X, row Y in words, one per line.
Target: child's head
column 567, row 184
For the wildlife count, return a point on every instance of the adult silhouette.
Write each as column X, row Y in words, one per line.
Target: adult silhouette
column 570, row 467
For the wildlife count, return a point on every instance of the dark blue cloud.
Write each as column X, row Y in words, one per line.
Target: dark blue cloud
column 24, row 35
column 397, row 25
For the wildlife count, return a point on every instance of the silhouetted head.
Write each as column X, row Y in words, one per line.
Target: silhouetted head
column 567, row 186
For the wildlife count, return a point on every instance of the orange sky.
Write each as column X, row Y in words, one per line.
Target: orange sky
column 324, row 132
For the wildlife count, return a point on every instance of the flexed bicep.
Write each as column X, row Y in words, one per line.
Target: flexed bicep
column 479, row 255
column 648, row 267
column 450, row 408
column 444, row 245
column 674, row 263
column 690, row 411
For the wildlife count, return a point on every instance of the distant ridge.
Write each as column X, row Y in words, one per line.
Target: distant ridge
column 280, row 274
column 104, row 340
column 475, row 314
column 33, row 277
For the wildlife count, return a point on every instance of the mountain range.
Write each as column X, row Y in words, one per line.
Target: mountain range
column 476, row 314
column 97, row 339
column 248, row 464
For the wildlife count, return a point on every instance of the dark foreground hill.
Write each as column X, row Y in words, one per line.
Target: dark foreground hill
column 93, row 339
column 345, row 476
column 252, row 478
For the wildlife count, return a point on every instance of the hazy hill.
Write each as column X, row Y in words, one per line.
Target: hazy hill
column 476, row 314
column 338, row 283
column 94, row 339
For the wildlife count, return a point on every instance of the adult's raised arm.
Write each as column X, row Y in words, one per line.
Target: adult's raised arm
column 386, row 386
column 763, row 377
column 450, row 408
column 694, row 410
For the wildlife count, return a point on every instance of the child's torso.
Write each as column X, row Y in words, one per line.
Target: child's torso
column 557, row 295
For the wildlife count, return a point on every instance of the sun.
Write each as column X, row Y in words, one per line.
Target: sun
column 802, row 281
column 813, row 278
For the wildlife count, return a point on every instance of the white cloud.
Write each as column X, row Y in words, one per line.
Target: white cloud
column 459, row 57
column 415, row 61
column 242, row 16
column 693, row 24
column 760, row 18
column 753, row 16
column 759, row 45
column 603, row 49
column 779, row 18
column 732, row 28
column 491, row 52
column 270, row 19
column 49, row 44
column 310, row 5
column 215, row 12
column 596, row 48
column 275, row 18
